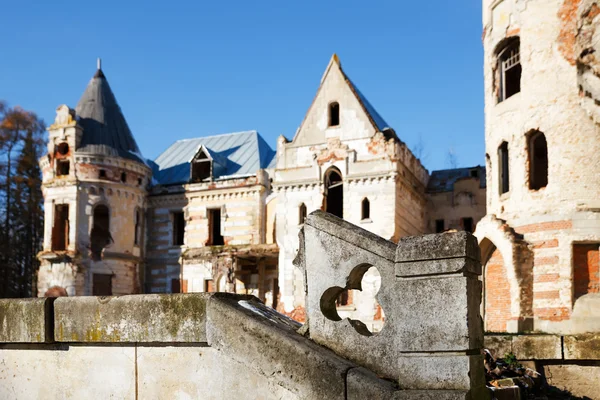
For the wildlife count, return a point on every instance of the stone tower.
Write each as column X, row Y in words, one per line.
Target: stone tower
column 94, row 185
column 541, row 233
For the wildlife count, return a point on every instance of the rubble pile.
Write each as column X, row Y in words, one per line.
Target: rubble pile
column 509, row 380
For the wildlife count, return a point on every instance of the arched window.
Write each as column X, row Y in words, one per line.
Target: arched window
column 334, row 114
column 538, row 160
column 334, row 192
column 301, row 213
column 365, row 209
column 509, row 69
column 503, row 168
column 100, row 236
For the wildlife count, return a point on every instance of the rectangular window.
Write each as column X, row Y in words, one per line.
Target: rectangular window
column 503, row 168
column 60, row 229
column 62, row 167
column 214, row 228
column 467, row 224
column 586, row 269
column 509, row 64
column 209, row 286
column 179, row 286
column 178, row 228
column 102, row 285
column 439, row 225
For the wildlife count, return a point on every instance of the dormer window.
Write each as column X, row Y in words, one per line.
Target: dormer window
column 334, row 114
column 201, row 166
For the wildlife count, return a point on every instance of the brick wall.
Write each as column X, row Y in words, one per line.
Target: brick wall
column 497, row 294
column 586, row 272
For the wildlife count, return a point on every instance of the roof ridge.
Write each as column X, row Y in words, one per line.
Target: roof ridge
column 217, row 134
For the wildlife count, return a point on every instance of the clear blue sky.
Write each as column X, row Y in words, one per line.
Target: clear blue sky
column 194, row 68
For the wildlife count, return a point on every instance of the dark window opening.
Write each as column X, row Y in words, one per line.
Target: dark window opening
column 214, row 228
column 302, row 213
column 439, row 225
column 60, row 229
column 467, row 224
column 63, row 167
column 201, row 167
column 209, row 286
column 509, row 70
column 138, row 226
column 123, row 177
column 538, row 161
column 102, row 174
column 365, row 209
column 179, row 286
column 100, row 236
column 474, row 173
column 139, row 181
column 334, row 193
column 503, row 168
column 178, row 228
column 334, row 114
column 102, row 285
column 62, row 149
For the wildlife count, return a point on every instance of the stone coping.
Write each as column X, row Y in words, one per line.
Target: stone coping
column 545, row 346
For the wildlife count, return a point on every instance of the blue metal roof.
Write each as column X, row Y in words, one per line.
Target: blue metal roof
column 444, row 180
column 240, row 154
column 377, row 118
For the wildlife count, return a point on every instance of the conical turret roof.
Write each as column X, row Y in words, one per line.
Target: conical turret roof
column 105, row 130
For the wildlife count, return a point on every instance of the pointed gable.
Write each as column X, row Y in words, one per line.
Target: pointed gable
column 105, row 130
column 338, row 94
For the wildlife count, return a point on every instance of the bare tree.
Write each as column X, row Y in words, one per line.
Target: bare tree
column 420, row 150
column 451, row 158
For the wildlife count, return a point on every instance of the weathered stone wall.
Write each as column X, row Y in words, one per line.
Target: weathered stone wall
column 536, row 231
column 217, row 346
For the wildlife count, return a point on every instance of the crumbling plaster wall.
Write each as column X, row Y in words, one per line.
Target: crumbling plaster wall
column 556, row 87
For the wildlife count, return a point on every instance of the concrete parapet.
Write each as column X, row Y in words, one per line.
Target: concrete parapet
column 25, row 320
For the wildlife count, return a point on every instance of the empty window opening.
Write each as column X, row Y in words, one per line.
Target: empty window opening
column 63, row 167
column 439, row 225
column 62, row 149
column 365, row 209
column 209, row 286
column 178, row 228
column 179, row 285
column 201, row 167
column 139, row 181
column 538, row 161
column 102, row 285
column 123, row 177
column 334, row 193
column 334, row 114
column 138, row 227
column 467, row 224
column 102, row 174
column 509, row 70
column 474, row 173
column 586, row 269
column 503, row 171
column 302, row 213
column 60, row 229
column 214, row 228
column 100, row 236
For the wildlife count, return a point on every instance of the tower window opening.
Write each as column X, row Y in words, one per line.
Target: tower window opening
column 102, row 174
column 538, row 161
column 509, row 70
column 63, row 167
column 503, row 170
column 214, row 228
column 334, row 193
column 365, row 209
column 467, row 224
column 60, row 229
column 178, row 228
column 439, row 225
column 302, row 213
column 140, row 181
column 100, row 236
column 63, row 149
column 334, row 114
column 123, row 177
column 137, row 233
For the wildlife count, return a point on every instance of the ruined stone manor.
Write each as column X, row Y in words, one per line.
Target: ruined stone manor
column 222, row 213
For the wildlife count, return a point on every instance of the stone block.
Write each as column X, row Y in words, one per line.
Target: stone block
column 438, row 371
column 437, row 246
column 364, row 384
column 582, row 381
column 25, row 320
column 252, row 334
column 582, row 347
column 137, row 318
column 537, row 347
column 498, row 345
